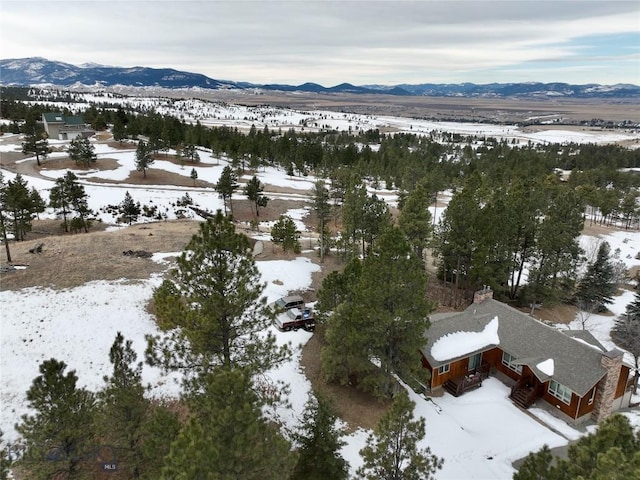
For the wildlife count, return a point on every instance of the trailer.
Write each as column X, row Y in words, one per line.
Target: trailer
column 296, row 318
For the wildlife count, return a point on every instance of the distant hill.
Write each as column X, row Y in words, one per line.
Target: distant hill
column 39, row 71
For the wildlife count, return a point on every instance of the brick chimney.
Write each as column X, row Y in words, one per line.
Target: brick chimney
column 481, row 295
column 606, row 388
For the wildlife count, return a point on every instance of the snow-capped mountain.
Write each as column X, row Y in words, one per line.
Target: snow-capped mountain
column 37, row 71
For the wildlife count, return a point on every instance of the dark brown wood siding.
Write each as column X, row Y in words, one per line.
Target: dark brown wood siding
column 622, row 381
column 584, row 406
column 456, row 369
column 570, row 409
column 492, row 357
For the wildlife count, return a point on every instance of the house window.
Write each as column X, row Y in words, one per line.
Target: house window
column 443, row 369
column 508, row 361
column 475, row 360
column 593, row 396
column 560, row 391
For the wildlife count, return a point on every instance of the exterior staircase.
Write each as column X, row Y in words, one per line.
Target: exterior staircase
column 523, row 393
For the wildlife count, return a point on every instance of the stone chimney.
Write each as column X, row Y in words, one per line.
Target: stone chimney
column 606, row 388
column 482, row 295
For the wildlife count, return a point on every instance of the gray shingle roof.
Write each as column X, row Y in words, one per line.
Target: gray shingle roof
column 576, row 364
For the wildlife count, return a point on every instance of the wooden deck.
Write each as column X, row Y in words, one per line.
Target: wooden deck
column 465, row 383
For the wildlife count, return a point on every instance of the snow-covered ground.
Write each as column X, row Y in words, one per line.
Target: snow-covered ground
column 478, row 435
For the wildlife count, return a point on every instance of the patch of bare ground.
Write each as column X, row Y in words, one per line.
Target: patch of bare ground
column 357, row 409
column 70, row 260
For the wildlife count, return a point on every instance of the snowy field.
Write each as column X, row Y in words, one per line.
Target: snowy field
column 216, row 114
column 479, row 435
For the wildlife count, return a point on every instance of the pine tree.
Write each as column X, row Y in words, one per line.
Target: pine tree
column 626, row 334
column 597, row 287
column 144, row 157
column 538, row 466
column 82, row 151
column 253, row 190
column 385, row 320
column 320, row 441
column 129, row 209
column 19, row 206
column 227, row 436
column 612, row 452
column 392, row 451
column 68, row 196
column 4, row 220
column 415, row 219
column 60, row 432
column 5, row 459
column 125, row 415
column 285, row 233
column 216, row 300
column 226, row 185
column 322, row 209
column 36, row 143
column 194, row 176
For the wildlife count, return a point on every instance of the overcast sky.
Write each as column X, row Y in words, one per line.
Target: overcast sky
column 360, row 42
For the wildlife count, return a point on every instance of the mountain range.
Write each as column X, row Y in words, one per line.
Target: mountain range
column 40, row 71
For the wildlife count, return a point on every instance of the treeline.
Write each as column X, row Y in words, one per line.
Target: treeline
column 516, row 209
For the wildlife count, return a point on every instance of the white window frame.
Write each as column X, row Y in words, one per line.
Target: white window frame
column 442, row 369
column 507, row 361
column 593, row 395
column 559, row 391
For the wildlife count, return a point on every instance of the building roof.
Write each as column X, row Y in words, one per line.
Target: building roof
column 576, row 361
column 54, row 117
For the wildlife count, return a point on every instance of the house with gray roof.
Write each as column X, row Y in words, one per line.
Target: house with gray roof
column 569, row 370
column 61, row 127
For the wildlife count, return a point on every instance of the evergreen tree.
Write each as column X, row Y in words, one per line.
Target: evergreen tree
column 322, row 209
column 60, row 431
column 59, row 199
column 5, row 459
column 556, row 255
column 82, row 151
column 320, row 441
column 194, row 176
column 385, row 321
column 125, row 415
column 226, row 185
column 353, row 213
column 129, row 209
column 597, row 286
column 119, row 130
column 19, row 206
column 339, row 287
column 392, row 451
column 611, row 453
column 415, row 218
column 216, row 300
column 253, row 190
column 285, row 233
column 626, row 333
column 538, row 466
column 227, row 436
column 68, row 197
column 144, row 157
column 36, row 143
column 4, row 220
column 189, row 152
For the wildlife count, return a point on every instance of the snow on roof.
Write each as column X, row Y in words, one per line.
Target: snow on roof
column 458, row 344
column 546, row 367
